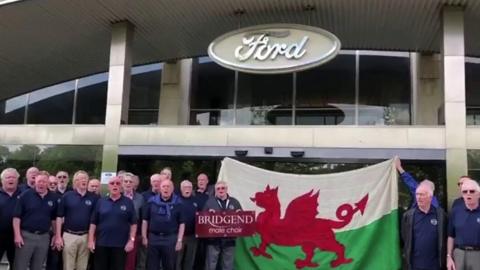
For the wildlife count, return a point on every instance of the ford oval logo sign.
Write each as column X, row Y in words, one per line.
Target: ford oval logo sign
column 274, row 48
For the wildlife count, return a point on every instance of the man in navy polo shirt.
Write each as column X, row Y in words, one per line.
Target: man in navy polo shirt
column 8, row 198
column 164, row 218
column 463, row 244
column 155, row 180
column 73, row 216
column 30, row 179
column 186, row 256
column 33, row 217
column 112, row 228
column 424, row 232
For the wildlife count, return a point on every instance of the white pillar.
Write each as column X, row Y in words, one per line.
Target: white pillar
column 118, row 92
column 454, row 92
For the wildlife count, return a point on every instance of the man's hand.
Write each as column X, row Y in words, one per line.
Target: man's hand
column 398, row 164
column 19, row 241
column 129, row 246
column 178, row 246
column 450, row 263
column 59, row 242
column 91, row 246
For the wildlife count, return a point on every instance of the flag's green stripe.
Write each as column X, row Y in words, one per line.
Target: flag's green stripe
column 372, row 247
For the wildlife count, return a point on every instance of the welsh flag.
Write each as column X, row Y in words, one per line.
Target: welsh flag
column 345, row 220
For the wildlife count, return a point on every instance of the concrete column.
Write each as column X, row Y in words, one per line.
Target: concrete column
column 118, row 92
column 175, row 93
column 429, row 93
column 454, row 88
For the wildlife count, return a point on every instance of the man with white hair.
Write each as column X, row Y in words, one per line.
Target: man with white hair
column 463, row 244
column 424, row 232
column 186, row 256
column 8, row 198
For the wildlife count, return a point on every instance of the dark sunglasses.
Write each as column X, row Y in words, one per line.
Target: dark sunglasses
column 468, row 191
column 221, row 188
column 61, row 176
column 115, row 183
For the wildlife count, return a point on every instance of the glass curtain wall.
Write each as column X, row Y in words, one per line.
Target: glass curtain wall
column 472, row 90
column 354, row 88
column 84, row 100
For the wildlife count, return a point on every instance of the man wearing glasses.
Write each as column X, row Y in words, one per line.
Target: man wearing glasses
column 459, row 201
column 74, row 212
column 223, row 248
column 62, row 187
column 112, row 228
column 463, row 244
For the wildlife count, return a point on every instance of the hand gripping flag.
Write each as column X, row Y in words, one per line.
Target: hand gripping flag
column 345, row 220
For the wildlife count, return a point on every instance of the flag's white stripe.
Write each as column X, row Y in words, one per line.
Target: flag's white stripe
column 378, row 181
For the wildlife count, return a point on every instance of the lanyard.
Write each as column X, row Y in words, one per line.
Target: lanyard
column 226, row 205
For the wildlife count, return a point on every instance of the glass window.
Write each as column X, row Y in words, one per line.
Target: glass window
column 145, row 94
column 52, row 158
column 212, row 94
column 326, row 94
column 92, row 99
column 472, row 93
column 384, row 97
column 264, row 99
column 52, row 105
column 12, row 110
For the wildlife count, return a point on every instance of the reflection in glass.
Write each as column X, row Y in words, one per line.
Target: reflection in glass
column 52, row 158
column 52, row 105
column 12, row 111
column 264, row 99
column 212, row 117
column 384, row 97
column 472, row 93
column 326, row 94
column 145, row 94
column 92, row 99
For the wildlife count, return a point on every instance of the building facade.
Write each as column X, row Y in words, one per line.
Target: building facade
column 128, row 85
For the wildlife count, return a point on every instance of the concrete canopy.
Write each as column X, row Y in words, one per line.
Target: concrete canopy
column 44, row 42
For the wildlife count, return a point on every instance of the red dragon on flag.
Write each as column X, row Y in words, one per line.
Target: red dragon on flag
column 301, row 227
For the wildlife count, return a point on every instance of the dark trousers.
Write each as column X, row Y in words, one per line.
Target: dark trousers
column 109, row 258
column 165, row 254
column 54, row 259
column 7, row 245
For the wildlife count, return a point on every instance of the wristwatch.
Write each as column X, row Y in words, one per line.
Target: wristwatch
column 179, row 240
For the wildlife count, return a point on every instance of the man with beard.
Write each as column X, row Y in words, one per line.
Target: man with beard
column 9, row 193
column 62, row 178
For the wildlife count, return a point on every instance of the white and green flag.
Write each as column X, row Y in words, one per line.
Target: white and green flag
column 345, row 220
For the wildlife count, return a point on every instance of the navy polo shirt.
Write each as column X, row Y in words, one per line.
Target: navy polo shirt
column 66, row 190
column 425, row 240
column 190, row 207
column 77, row 210
column 464, row 226
column 202, row 199
column 163, row 218
column 148, row 194
column 7, row 205
column 113, row 220
column 36, row 213
column 23, row 187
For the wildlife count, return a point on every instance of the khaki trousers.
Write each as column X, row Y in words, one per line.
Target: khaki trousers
column 75, row 251
column 466, row 259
